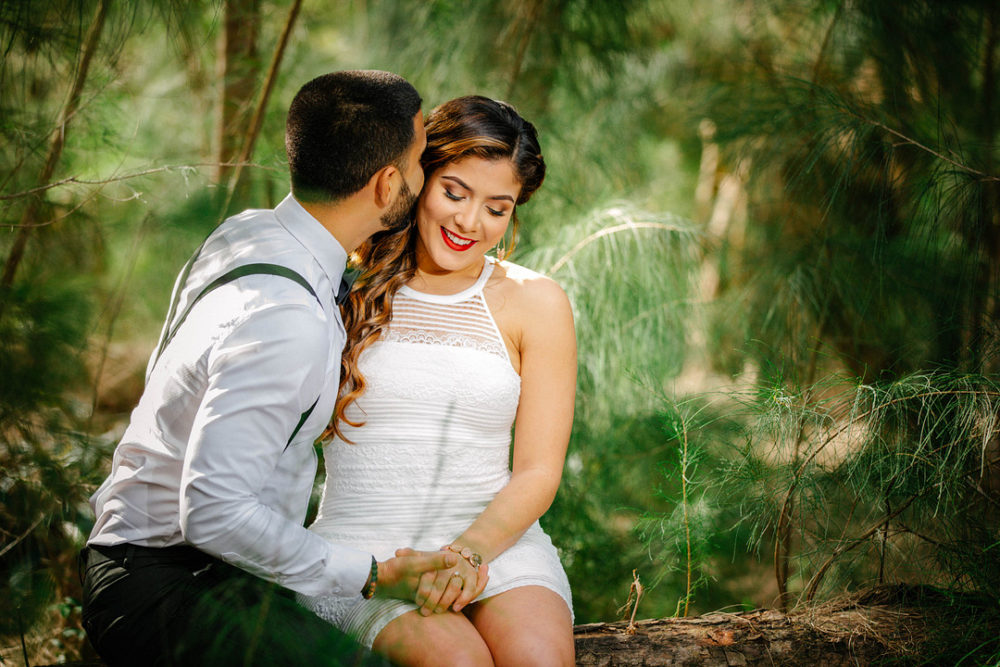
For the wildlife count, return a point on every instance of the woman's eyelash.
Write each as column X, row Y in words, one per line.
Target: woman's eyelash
column 452, row 196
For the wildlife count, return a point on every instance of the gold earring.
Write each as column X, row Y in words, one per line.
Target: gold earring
column 503, row 248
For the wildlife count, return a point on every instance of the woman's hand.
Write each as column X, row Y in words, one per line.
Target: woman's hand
column 453, row 588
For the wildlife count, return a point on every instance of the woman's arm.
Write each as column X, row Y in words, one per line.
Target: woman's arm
column 547, row 348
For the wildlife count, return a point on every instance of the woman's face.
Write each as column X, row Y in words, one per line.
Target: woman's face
column 463, row 211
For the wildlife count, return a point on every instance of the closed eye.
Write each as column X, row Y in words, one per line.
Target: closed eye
column 495, row 212
column 451, row 195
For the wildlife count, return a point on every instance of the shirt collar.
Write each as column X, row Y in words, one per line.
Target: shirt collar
column 316, row 238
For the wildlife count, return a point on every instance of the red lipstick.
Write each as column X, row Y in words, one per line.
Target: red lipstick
column 448, row 241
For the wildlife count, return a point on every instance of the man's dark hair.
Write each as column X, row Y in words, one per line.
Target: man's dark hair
column 343, row 127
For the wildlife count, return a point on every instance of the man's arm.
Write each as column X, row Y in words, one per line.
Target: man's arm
column 261, row 377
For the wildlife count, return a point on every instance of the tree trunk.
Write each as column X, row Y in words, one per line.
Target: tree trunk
column 246, row 152
column 238, row 68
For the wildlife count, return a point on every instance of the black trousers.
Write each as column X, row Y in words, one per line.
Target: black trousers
column 180, row 606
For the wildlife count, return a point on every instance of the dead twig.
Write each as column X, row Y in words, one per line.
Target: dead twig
column 635, row 592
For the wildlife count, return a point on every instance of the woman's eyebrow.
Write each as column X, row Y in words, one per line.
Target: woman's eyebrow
column 462, row 183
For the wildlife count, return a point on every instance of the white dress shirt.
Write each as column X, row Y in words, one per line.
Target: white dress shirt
column 204, row 459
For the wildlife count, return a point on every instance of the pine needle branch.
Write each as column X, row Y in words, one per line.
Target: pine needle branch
column 856, row 542
column 687, row 522
column 57, row 143
column 608, row 231
column 782, row 515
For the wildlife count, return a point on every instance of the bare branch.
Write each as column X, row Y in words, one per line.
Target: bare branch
column 857, row 541
column 20, row 538
column 75, row 180
column 913, row 142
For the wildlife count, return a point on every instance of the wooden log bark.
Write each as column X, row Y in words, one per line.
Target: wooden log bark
column 762, row 637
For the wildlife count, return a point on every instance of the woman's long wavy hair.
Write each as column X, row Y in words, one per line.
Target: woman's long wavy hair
column 471, row 126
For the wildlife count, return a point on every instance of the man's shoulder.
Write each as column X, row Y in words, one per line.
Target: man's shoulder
column 251, row 265
column 257, row 238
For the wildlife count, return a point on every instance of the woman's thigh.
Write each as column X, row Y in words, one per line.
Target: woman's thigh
column 443, row 639
column 530, row 625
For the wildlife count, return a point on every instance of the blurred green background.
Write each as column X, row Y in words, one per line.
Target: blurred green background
column 778, row 222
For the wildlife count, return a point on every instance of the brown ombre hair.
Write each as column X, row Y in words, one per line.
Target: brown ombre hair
column 472, row 126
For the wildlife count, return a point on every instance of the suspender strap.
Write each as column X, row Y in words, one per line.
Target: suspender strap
column 302, row 420
column 228, row 277
column 238, row 272
column 185, row 272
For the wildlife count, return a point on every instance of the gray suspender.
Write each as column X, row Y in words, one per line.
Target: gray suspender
column 238, row 272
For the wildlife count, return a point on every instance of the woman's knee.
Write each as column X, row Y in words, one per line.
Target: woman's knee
column 526, row 626
column 536, row 654
column 533, row 648
column 450, row 639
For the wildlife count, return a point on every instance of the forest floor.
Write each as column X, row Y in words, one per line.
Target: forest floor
column 892, row 625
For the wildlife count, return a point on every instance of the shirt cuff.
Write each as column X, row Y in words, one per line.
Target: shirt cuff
column 347, row 570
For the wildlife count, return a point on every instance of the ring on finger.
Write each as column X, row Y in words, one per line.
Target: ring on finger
column 459, row 576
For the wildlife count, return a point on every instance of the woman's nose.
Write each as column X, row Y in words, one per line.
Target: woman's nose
column 465, row 217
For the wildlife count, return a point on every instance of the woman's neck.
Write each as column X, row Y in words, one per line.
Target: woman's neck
column 435, row 280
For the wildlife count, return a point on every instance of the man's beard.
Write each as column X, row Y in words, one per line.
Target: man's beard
column 397, row 218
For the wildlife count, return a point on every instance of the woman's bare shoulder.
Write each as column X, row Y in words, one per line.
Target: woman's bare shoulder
column 531, row 291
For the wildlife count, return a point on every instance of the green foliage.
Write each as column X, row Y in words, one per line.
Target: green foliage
column 891, row 480
column 826, row 411
column 47, row 464
column 872, row 155
column 868, row 257
column 43, row 329
column 605, row 490
column 628, row 274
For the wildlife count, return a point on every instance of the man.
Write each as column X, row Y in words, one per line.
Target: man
column 212, row 477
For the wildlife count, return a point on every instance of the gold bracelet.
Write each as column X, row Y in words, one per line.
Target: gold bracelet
column 475, row 560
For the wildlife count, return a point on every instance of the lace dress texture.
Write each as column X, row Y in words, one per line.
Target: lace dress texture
column 432, row 454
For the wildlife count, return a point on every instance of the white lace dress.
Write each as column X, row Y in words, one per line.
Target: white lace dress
column 433, row 452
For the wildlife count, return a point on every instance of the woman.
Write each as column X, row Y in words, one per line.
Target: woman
column 422, row 454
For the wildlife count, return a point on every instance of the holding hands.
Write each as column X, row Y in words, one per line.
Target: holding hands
column 455, row 587
column 434, row 580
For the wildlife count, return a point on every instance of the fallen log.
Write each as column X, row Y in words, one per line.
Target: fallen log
column 822, row 638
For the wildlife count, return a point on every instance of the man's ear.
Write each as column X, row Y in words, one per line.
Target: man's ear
column 383, row 182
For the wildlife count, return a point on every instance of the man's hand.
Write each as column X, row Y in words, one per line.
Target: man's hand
column 399, row 577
